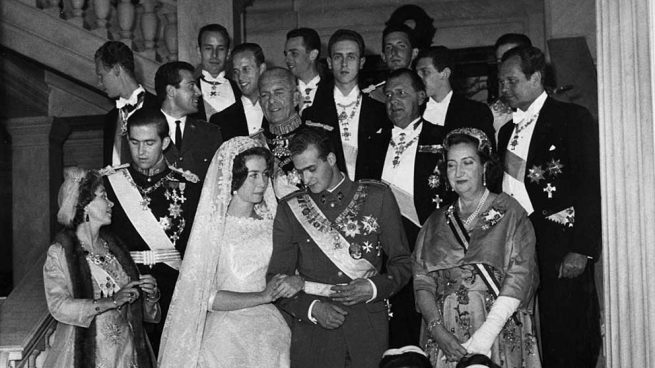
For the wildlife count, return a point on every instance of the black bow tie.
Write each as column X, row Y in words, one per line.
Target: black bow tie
column 129, row 107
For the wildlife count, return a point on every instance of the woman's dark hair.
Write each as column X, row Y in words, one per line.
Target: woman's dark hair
column 480, row 359
column 493, row 169
column 240, row 170
column 88, row 186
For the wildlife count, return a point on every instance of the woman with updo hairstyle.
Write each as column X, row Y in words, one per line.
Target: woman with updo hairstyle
column 92, row 286
column 221, row 313
column 474, row 265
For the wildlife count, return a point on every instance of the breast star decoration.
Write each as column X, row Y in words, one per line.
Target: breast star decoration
column 536, row 174
column 370, row 225
column 554, row 167
column 491, row 217
column 351, row 228
column 433, row 181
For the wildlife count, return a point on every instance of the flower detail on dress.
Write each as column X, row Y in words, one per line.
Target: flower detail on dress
column 370, row 224
column 491, row 217
column 462, row 295
column 112, row 331
column 351, row 228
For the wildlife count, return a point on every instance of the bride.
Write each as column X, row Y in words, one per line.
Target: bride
column 221, row 313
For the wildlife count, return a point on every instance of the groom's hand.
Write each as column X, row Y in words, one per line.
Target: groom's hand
column 329, row 315
column 357, row 291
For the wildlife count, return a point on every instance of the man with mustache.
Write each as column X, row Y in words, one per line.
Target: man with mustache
column 218, row 92
column 353, row 116
column 245, row 117
column 193, row 142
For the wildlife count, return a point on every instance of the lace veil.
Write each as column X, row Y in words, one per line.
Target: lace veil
column 184, row 328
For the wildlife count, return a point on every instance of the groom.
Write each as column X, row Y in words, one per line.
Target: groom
column 334, row 234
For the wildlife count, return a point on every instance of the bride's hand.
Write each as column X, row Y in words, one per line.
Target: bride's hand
column 290, row 285
column 271, row 292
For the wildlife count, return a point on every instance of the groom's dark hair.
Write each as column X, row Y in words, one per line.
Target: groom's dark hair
column 307, row 136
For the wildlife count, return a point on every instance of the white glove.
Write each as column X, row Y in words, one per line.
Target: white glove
column 484, row 337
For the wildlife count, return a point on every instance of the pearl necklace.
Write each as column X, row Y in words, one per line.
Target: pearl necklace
column 475, row 213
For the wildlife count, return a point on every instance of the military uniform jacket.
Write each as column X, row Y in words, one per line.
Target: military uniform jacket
column 372, row 118
column 374, row 229
column 199, row 143
column 563, row 152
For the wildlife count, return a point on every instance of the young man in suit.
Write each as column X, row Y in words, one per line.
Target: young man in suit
column 345, row 240
column 551, row 167
column 115, row 71
column 406, row 158
column 245, row 117
column 301, row 53
column 193, row 142
column 435, row 65
column 353, row 116
column 218, row 92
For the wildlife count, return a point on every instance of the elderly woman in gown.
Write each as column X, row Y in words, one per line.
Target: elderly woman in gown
column 474, row 268
column 221, row 313
column 92, row 287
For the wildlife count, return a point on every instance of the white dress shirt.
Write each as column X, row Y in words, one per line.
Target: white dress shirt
column 435, row 112
column 254, row 114
column 216, row 97
column 122, row 119
column 525, row 122
column 171, row 125
column 352, row 111
column 308, row 92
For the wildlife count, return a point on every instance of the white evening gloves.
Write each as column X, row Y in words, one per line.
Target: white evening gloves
column 484, row 337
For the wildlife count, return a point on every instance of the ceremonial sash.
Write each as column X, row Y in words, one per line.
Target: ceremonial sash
column 406, row 204
column 485, row 271
column 144, row 222
column 513, row 180
column 326, row 240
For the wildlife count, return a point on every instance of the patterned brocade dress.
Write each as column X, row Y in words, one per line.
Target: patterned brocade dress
column 249, row 337
column 442, row 268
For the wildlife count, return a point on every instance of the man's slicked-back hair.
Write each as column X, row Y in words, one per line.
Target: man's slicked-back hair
column 169, row 74
column 347, row 35
column 518, row 39
column 252, row 47
column 307, row 136
column 282, row 73
column 402, row 28
column 417, row 82
column 213, row 27
column 113, row 53
column 149, row 116
column 310, row 38
column 532, row 60
column 440, row 56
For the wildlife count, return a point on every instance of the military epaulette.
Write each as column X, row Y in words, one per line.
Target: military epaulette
column 373, row 182
column 296, row 193
column 108, row 170
column 188, row 175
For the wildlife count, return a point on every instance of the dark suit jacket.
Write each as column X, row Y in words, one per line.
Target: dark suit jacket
column 200, row 142
column 424, row 165
column 201, row 114
column 232, row 121
column 111, row 124
column 568, row 133
column 463, row 112
column 372, row 118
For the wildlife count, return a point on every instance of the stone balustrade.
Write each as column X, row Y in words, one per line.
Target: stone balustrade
column 148, row 26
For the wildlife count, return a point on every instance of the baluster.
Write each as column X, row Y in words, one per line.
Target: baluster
column 170, row 30
column 78, row 12
column 102, row 8
column 53, row 8
column 149, row 28
column 126, row 21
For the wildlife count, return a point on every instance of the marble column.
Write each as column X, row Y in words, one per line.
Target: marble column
column 31, row 191
column 626, row 68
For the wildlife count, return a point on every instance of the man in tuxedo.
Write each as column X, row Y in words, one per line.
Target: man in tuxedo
column 398, row 51
column 115, row 71
column 154, row 207
column 301, row 52
column 550, row 155
column 193, row 142
column 218, row 92
column 245, row 117
column 435, row 65
column 406, row 158
column 344, row 239
column 353, row 116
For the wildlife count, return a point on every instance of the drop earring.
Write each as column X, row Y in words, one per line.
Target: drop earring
column 484, row 179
